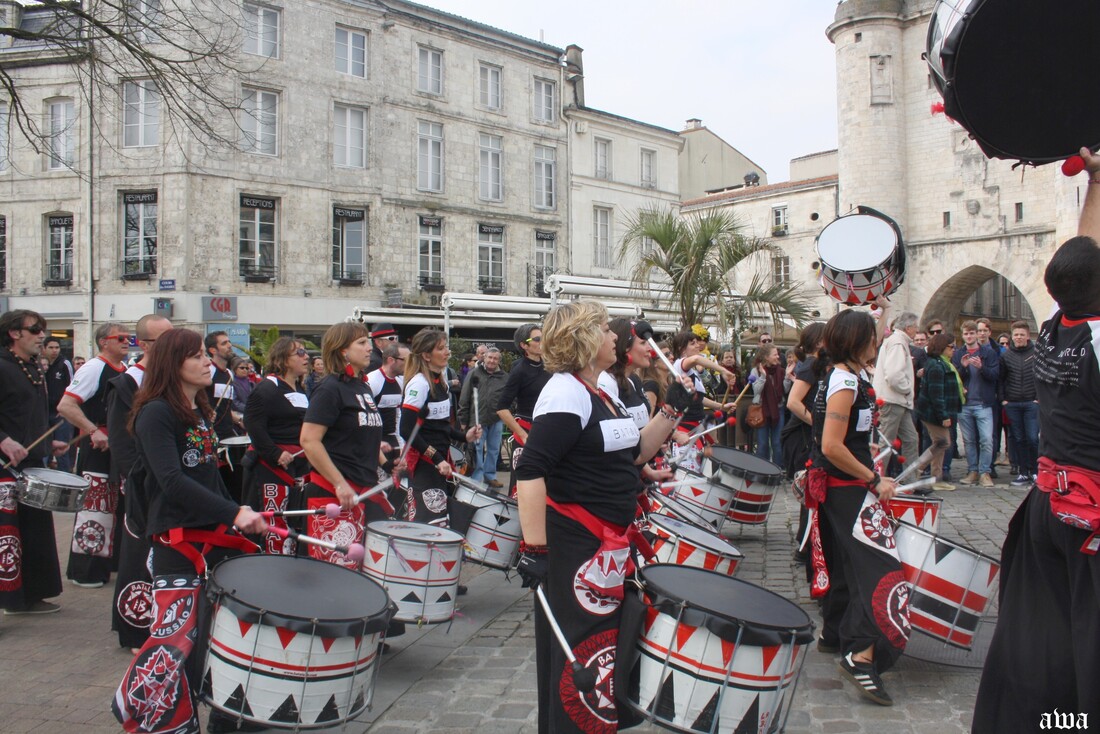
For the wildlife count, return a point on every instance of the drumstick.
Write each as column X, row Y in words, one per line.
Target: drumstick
column 39, row 440
column 583, row 678
column 409, row 443
column 885, row 453
column 913, row 486
column 477, row 409
column 751, row 379
column 731, row 421
column 354, row 552
column 380, row 487
column 331, row 510
column 922, row 461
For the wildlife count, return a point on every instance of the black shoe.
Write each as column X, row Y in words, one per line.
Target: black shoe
column 220, row 723
column 826, row 648
column 800, row 556
column 866, row 680
column 462, row 589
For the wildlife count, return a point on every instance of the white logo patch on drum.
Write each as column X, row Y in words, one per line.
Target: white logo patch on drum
column 435, row 500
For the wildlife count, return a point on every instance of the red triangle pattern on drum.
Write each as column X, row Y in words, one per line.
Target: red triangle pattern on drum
column 285, row 635
column 492, row 546
column 245, row 626
column 683, row 634
column 768, row 654
column 449, row 565
column 651, row 614
column 722, row 503
column 727, row 652
column 994, row 569
column 326, row 642
column 377, row 556
column 710, row 561
column 696, row 491
column 683, row 552
column 416, row 565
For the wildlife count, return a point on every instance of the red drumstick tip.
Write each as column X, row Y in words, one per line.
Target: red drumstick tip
column 718, row 415
column 356, row 552
column 937, row 108
column 731, row 421
column 896, row 444
column 268, row 514
column 332, row 510
column 901, row 459
column 880, row 402
column 1073, row 165
column 280, row 531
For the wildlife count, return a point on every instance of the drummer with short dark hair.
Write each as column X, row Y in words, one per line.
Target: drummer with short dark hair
column 29, row 565
column 857, row 572
column 516, row 401
column 387, row 384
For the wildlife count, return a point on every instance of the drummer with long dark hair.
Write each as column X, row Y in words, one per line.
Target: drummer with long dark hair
column 865, row 608
column 273, row 415
column 797, row 434
column 578, row 483
column 427, row 402
column 342, row 438
column 192, row 521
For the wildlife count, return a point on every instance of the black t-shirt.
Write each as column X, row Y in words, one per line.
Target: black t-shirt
column 387, row 396
column 273, row 415
column 58, row 376
column 221, row 395
column 1067, row 381
column 525, row 382
column 345, row 406
column 858, row 437
column 584, row 450
column 183, row 486
column 632, row 398
column 804, row 372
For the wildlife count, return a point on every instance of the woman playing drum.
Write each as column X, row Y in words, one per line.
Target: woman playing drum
column 428, row 402
column 273, row 415
column 192, row 521
column 342, row 438
column 866, row 601
column 578, row 483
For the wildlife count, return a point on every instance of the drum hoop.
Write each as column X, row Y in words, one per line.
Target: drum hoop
column 728, row 550
column 376, row 621
column 941, row 539
column 720, row 624
column 752, row 475
column 235, row 441
column 42, row 475
column 377, row 527
column 488, row 492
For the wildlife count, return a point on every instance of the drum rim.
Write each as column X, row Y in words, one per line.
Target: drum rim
column 751, row 475
column 735, row 554
column 35, row 473
column 680, row 504
column 367, row 624
column 235, row 441
column 488, row 491
column 863, row 214
column 376, row 528
column 948, row 541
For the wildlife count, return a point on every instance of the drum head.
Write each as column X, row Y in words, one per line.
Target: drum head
column 300, row 594
column 415, row 531
column 53, row 476
column 726, row 606
column 856, row 242
column 1012, row 72
column 746, row 465
column 235, row 441
column 695, row 535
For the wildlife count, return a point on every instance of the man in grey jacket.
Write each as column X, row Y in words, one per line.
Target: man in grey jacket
column 488, row 380
column 895, row 385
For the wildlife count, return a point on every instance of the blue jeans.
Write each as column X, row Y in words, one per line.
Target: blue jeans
column 768, row 444
column 1023, row 429
column 976, row 424
column 487, row 450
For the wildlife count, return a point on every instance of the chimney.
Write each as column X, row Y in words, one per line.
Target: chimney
column 574, row 72
column 11, row 16
column 693, row 124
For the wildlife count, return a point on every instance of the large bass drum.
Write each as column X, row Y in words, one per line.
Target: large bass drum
column 862, row 257
column 1010, row 72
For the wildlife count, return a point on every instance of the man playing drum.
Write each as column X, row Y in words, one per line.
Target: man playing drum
column 1045, row 654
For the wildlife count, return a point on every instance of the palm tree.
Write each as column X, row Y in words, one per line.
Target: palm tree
column 693, row 258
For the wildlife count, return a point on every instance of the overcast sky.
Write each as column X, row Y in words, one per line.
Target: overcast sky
column 759, row 74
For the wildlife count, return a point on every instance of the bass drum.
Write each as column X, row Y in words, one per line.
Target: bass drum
column 1010, row 73
column 862, row 257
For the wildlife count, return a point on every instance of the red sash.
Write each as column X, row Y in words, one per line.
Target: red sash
column 379, row 499
column 1074, row 498
column 606, row 572
column 183, row 540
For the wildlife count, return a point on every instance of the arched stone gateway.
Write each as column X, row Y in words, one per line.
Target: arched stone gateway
column 946, row 302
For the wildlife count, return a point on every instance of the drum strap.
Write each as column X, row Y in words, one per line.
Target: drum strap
column 183, row 540
column 1074, row 498
column 378, row 499
column 277, row 470
column 525, row 425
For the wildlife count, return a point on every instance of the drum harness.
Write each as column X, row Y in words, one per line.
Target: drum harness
column 1074, row 498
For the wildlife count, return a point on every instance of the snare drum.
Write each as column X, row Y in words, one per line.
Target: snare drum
column 490, row 522
column 684, row 544
column 862, row 257
column 924, row 512
column 49, row 489
column 293, row 642
column 457, row 457
column 1008, row 75
column 235, row 448
column 754, row 482
column 418, row 564
column 707, row 498
column 951, row 584
column 703, row 652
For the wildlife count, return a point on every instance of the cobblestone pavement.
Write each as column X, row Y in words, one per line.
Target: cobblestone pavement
column 58, row 672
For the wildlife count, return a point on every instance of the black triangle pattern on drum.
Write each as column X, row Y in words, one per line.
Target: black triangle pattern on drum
column 705, row 720
column 238, row 702
column 941, row 550
column 443, row 597
column 501, row 519
column 666, row 700
column 287, row 713
column 207, row 682
column 331, row 711
column 750, row 722
column 411, row 596
column 360, row 703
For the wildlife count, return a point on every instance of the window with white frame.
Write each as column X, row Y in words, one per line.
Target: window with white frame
column 491, row 168
column 545, row 165
column 490, row 257
column 139, row 233
column 260, row 121
column 602, row 158
column 647, row 245
column 649, row 168
column 351, row 52
column 62, row 130
column 601, row 236
column 261, row 30
column 3, row 252
column 430, row 248
column 349, row 137
column 256, row 254
column 59, row 250
column 429, row 74
column 144, row 16
column 489, row 92
column 349, row 244
column 545, row 251
column 429, row 157
column 3, row 136
column 140, row 114
column 779, row 219
column 545, row 94
column 781, row 270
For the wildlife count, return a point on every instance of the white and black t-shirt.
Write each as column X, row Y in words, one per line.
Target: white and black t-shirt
column 860, row 419
column 387, row 396
column 430, row 403
column 584, row 450
column 695, row 412
column 1067, row 382
column 633, row 399
column 89, row 388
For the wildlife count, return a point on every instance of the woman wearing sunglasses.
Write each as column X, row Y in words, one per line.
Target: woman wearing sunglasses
column 273, row 416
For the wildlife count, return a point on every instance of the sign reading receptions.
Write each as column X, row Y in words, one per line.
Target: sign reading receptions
column 256, row 202
column 490, row 229
column 219, row 308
